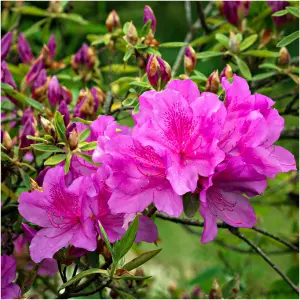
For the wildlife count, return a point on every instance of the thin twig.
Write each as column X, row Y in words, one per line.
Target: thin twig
column 60, row 272
column 202, row 17
column 123, row 108
column 188, row 12
column 236, row 232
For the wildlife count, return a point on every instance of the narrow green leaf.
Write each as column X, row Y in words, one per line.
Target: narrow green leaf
column 141, row 84
column 60, row 127
column 145, row 29
column 28, row 166
column 6, row 87
column 270, row 66
column 140, row 260
column 82, row 275
column 191, row 204
column 172, row 45
column 280, row 13
column 288, row 39
column 136, row 109
column 263, row 76
column 31, row 10
column 25, row 178
column 239, row 37
column 293, row 10
column 77, row 119
column 124, row 245
column 208, row 54
column 128, row 54
column 248, row 42
column 71, row 17
column 120, row 69
column 88, row 158
column 222, row 39
column 123, row 294
column 84, row 134
column 35, row 138
column 243, row 68
column 106, row 240
column 46, row 148
column 151, row 51
column 127, row 277
column 55, row 160
column 88, row 146
column 200, row 75
column 125, row 27
column 261, row 53
column 68, row 163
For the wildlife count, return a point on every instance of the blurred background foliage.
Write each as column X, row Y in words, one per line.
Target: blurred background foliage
column 184, row 262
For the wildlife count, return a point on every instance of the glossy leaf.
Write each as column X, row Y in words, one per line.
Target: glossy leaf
column 84, row 134
column 208, row 54
column 145, row 29
column 243, row 67
column 280, row 13
column 46, row 148
column 120, row 69
column 31, row 11
column 106, row 240
column 140, row 260
column 88, row 146
column 173, row 45
column 128, row 54
column 262, row 53
column 269, row 66
column 263, row 76
column 248, row 42
column 55, row 160
column 222, row 39
column 60, row 127
column 288, row 39
column 68, row 163
column 293, row 10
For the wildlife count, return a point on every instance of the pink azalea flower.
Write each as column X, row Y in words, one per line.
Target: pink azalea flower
column 222, row 197
column 251, row 128
column 61, row 212
column 9, row 290
column 187, row 125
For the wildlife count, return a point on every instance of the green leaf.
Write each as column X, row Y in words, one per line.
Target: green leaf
column 125, row 27
column 140, row 260
column 84, row 134
column 60, row 127
column 230, row 289
column 120, row 69
column 280, row 13
column 263, row 76
column 88, row 146
column 172, row 45
column 88, row 158
column 128, row 54
column 32, row 11
column 128, row 277
column 200, row 75
column 25, row 178
column 129, row 101
column 106, row 240
column 288, row 39
column 123, row 294
column 151, row 51
column 239, row 37
column 77, row 119
column 262, row 53
column 208, row 54
column 46, row 148
column 191, row 204
column 55, row 160
column 248, row 42
column 270, row 66
column 146, row 28
column 243, row 68
column 82, row 275
column 71, row 17
column 222, row 39
column 6, row 87
column 124, row 245
column 34, row 28
column 28, row 166
column 136, row 109
column 293, row 10
column 68, row 163
column 35, row 138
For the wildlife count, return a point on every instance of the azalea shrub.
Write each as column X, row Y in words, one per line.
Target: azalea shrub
column 104, row 145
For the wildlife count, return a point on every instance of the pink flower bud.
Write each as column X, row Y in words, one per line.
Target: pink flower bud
column 34, row 71
column 52, row 46
column 153, row 71
column 28, row 129
column 7, row 142
column 39, row 86
column 284, row 58
column 83, row 60
column 24, row 50
column 112, row 21
column 63, row 109
column 87, row 104
column 27, row 115
column 213, row 82
column 149, row 15
column 6, row 76
column 165, row 72
column 226, row 72
column 5, row 44
column 72, row 136
column 190, row 60
column 66, row 95
column 54, row 91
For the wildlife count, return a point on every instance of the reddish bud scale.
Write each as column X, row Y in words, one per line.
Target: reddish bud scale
column 213, row 82
column 112, row 21
column 190, row 60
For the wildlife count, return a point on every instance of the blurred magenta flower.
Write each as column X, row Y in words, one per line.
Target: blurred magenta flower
column 63, row 109
column 236, row 11
column 52, row 46
column 24, row 50
column 34, row 71
column 149, row 15
column 277, row 6
column 9, row 290
column 5, row 45
column 54, row 91
column 7, row 78
column 40, row 86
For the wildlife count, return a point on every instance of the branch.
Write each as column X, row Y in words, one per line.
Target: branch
column 123, row 108
column 202, row 17
column 98, row 289
column 188, row 12
column 236, row 232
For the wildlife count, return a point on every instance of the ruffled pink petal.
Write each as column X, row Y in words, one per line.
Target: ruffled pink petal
column 210, row 229
column 187, row 88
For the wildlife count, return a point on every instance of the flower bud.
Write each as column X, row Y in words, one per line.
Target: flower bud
column 5, row 45
column 48, row 126
column 54, row 91
column 28, row 129
column 165, row 72
column 153, row 71
column 213, row 82
column 112, row 21
column 197, row 293
column 235, row 11
column 277, row 6
column 284, row 58
column 99, row 97
column 28, row 115
column 24, row 50
column 63, row 109
column 7, row 142
column 72, row 136
column 34, row 70
column 149, row 15
column 102, row 249
column 215, row 292
column 226, row 72
column 131, row 35
column 83, row 60
column 190, row 60
column 39, row 86
column 234, row 44
column 52, row 46
column 87, row 105
column 265, row 37
column 6, row 76
column 55, row 6
column 66, row 95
